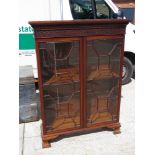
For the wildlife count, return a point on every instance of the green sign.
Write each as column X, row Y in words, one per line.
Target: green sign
column 26, row 38
column 26, row 41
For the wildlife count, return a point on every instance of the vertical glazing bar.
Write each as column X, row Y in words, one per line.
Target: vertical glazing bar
column 81, row 83
column 83, row 63
column 121, row 50
column 85, row 80
column 40, row 86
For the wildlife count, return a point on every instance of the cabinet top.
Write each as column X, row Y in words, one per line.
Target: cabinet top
column 78, row 28
column 78, row 22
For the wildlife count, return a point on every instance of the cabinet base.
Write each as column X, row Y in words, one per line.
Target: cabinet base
column 117, row 131
column 51, row 136
column 46, row 144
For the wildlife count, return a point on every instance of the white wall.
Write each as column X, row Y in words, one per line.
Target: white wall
column 33, row 10
column 55, row 9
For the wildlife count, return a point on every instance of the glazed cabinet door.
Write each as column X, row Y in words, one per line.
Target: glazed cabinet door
column 103, row 77
column 60, row 82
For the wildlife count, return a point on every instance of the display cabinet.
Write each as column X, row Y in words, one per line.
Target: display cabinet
column 80, row 72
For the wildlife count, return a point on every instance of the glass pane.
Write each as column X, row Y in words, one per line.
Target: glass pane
column 102, row 9
column 129, row 13
column 103, row 67
column 61, row 88
column 81, row 9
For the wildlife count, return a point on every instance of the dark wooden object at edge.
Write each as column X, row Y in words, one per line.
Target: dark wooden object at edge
column 85, row 37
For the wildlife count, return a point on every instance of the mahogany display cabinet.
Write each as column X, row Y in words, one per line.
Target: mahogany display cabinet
column 80, row 73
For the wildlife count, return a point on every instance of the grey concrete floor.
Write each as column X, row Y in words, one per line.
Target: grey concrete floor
column 94, row 143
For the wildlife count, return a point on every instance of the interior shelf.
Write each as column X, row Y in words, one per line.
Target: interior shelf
column 71, row 75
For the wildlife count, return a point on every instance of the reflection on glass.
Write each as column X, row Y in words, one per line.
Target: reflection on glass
column 60, row 76
column 102, row 9
column 103, row 67
column 83, row 9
